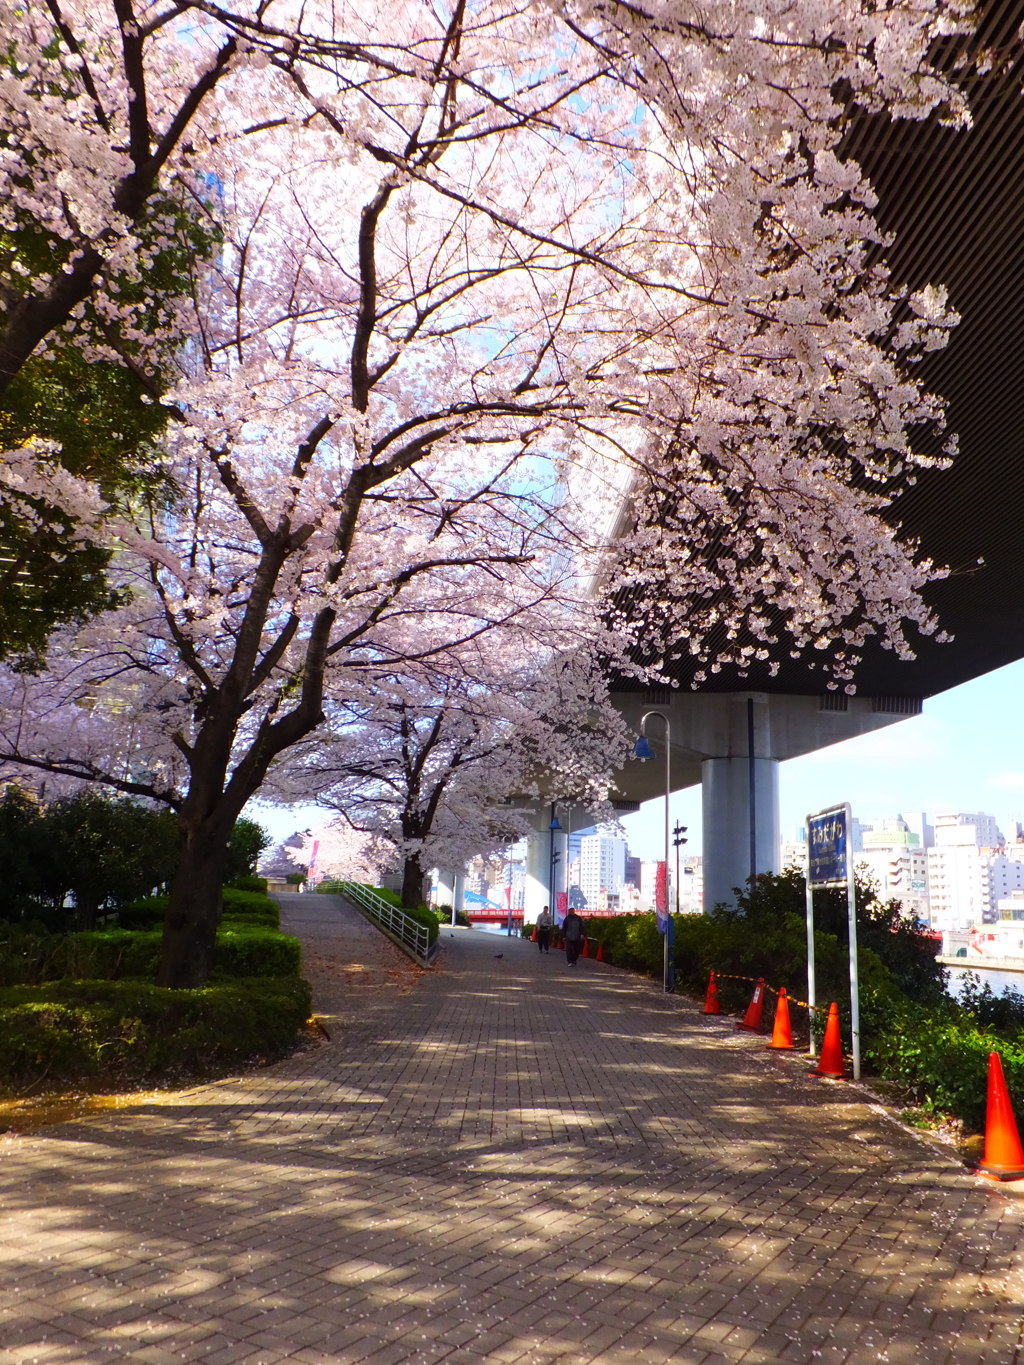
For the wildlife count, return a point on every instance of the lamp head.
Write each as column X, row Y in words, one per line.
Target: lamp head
column 642, row 749
column 555, row 825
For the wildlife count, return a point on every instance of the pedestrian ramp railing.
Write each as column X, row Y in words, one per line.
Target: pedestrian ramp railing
column 407, row 932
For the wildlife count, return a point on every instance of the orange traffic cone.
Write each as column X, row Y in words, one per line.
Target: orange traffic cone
column 600, row 952
column 831, row 1061
column 752, row 1019
column 1004, row 1156
column 586, row 947
column 533, row 939
column 782, row 1034
column 711, row 1005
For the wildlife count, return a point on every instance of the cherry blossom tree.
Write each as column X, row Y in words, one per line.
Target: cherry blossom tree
column 481, row 274
column 442, row 766
column 332, row 850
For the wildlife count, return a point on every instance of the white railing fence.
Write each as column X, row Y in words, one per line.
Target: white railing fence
column 406, row 931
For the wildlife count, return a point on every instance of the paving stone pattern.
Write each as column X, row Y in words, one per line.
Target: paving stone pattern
column 503, row 1160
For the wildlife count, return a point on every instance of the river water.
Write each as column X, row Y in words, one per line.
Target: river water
column 999, row 980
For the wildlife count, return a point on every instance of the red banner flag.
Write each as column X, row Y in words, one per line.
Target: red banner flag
column 661, row 895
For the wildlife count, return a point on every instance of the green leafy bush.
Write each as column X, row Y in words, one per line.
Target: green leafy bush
column 422, row 914
column 129, row 1031
column 425, row 917
column 252, row 907
column 143, row 915
column 81, row 858
column 940, row 1058
column 242, row 949
column 630, row 941
column 250, row 883
column 1004, row 1014
column 251, row 951
column 240, row 907
column 75, row 862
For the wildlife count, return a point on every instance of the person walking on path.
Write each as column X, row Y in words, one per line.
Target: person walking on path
column 572, row 929
column 544, row 930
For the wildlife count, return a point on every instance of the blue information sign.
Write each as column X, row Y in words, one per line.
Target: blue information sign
column 826, row 835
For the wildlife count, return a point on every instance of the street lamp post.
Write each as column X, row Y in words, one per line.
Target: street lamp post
column 643, row 751
column 553, row 829
column 678, row 837
column 508, row 889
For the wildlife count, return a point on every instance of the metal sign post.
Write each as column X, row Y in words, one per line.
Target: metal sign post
column 830, row 863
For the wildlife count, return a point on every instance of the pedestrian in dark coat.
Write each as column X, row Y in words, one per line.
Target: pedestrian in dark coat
column 572, row 929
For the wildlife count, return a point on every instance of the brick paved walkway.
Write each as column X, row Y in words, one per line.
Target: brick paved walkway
column 510, row 1161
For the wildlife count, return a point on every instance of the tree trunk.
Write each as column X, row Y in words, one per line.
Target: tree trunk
column 86, row 911
column 412, row 883
column 190, row 929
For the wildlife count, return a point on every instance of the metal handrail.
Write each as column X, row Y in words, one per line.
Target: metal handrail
column 406, row 931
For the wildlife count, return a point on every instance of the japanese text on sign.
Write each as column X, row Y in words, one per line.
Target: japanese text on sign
column 826, row 835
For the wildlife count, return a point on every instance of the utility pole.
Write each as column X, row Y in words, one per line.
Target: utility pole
column 678, row 837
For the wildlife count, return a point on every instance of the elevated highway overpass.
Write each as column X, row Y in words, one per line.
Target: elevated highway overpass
column 955, row 204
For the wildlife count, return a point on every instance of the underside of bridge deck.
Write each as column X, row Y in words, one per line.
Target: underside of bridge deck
column 955, row 202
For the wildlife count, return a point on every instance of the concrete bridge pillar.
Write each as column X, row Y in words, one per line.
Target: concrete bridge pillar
column 537, row 891
column 740, row 806
column 445, row 888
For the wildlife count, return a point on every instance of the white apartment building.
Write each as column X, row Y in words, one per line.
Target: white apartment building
column 602, row 867
column 1005, row 875
column 901, row 874
column 892, row 853
column 970, row 870
column 975, row 829
column 691, row 885
column 1011, row 907
column 793, row 853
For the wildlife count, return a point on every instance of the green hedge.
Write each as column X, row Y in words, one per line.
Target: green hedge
column 250, row 883
column 242, row 949
column 143, row 915
column 240, row 906
column 425, row 917
column 250, row 951
column 251, row 907
column 128, row 1031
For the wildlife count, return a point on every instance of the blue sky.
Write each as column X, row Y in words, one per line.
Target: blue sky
column 964, row 753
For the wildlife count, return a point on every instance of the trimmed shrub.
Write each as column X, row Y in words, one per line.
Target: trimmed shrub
column 249, row 883
column 630, row 941
column 913, row 1033
column 425, row 917
column 245, row 950
column 99, row 954
column 242, row 949
column 129, row 1031
column 143, row 915
column 386, row 894
column 239, row 907
column 251, row 907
